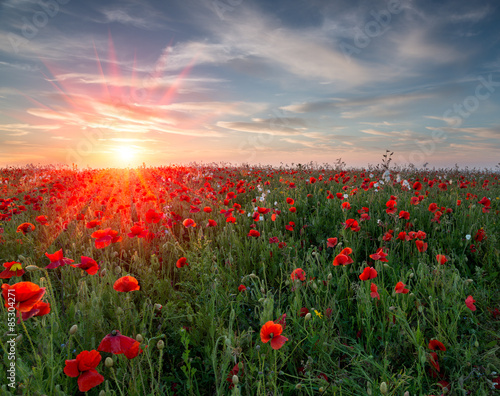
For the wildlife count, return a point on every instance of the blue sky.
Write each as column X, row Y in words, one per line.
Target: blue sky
column 117, row 83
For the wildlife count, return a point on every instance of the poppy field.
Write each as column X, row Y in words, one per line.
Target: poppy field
column 240, row 280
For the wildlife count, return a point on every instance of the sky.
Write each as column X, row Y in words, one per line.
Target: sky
column 122, row 83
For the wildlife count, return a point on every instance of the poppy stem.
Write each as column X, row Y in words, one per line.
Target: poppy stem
column 116, row 381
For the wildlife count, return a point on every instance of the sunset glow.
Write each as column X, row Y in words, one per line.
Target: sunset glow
column 253, row 82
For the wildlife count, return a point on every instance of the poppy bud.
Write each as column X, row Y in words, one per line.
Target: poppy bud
column 118, row 269
column 262, row 290
column 330, row 276
column 160, row 345
column 73, row 329
column 108, row 362
column 139, row 338
column 42, row 280
column 321, row 390
column 261, row 300
column 466, row 281
column 19, row 338
column 476, row 344
column 114, row 254
column 387, row 266
column 383, row 388
column 369, row 389
column 236, row 380
column 102, row 273
column 119, row 311
column 158, row 307
column 32, row 268
column 21, row 257
column 102, row 393
column 298, row 386
column 314, row 286
column 411, row 275
column 407, row 393
column 308, row 316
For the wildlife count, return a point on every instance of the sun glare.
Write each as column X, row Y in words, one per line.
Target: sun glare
column 125, row 154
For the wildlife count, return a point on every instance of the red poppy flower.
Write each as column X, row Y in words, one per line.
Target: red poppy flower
column 253, row 233
column 417, row 186
column 345, row 206
column 137, row 231
column 298, row 274
column 93, row 224
column 42, row 220
column 436, row 345
column 380, row 255
column 211, row 223
column 391, row 206
column 126, row 284
column 480, row 235
column 331, row 242
column 242, row 288
column 290, row 201
column 469, row 301
column 234, row 371
column 374, row 291
column 57, row 259
column 105, row 238
column 39, row 309
column 404, row 215
column 189, row 223
column 117, row 344
column 181, row 262
column 207, row 209
column 400, row 288
column 272, row 332
column 433, row 359
column 26, row 295
column 368, row 273
column 153, row 217
column 303, row 312
column 343, row 257
column 88, row 264
column 293, row 209
column 421, row 246
column 441, row 259
column 25, row 228
column 83, row 367
column 352, row 224
column 433, row 207
column 13, row 269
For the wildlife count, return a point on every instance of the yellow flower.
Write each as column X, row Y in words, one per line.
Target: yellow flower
column 318, row 314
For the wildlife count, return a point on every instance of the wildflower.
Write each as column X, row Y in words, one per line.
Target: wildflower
column 93, row 224
column 433, row 359
column 298, row 274
column 242, row 288
column 331, row 242
column 26, row 295
column 303, row 312
column 88, row 264
column 272, row 332
column 290, row 201
column 181, row 262
column 436, row 345
column 380, row 255
column 368, row 273
column 211, row 223
column 153, row 217
column 469, row 301
column 374, row 292
column 57, row 259
column 126, row 284
column 104, row 238
column 83, row 367
column 189, row 223
column 254, row 233
column 39, row 309
column 400, row 288
column 117, row 344
column 26, row 228
column 343, row 257
column 13, row 268
column 441, row 259
column 421, row 246
column 42, row 220
column 137, row 231
column 480, row 235
column 318, row 314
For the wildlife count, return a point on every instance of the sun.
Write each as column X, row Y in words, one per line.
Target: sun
column 125, row 154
